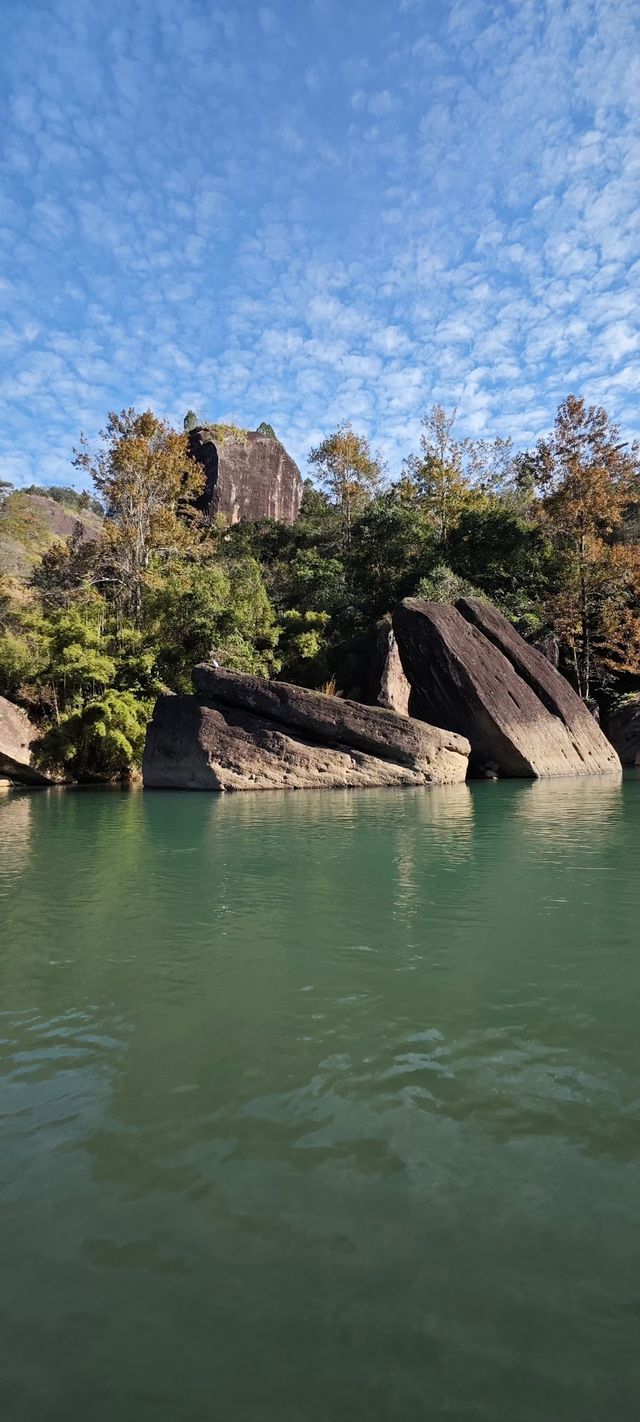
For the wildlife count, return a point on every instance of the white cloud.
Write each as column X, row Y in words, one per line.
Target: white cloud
column 372, row 213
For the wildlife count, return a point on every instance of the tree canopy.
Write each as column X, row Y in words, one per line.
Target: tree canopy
column 551, row 535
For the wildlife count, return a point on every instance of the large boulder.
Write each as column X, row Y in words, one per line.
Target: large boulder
column 332, row 720
column 17, row 733
column 195, row 746
column 241, row 733
column 463, row 680
column 624, row 731
column 553, row 689
column 249, row 474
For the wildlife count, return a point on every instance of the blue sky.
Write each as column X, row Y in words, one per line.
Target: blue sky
column 306, row 211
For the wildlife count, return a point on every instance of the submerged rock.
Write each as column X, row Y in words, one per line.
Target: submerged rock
column 464, row 680
column 17, row 734
column 624, row 732
column 241, row 733
column 249, row 474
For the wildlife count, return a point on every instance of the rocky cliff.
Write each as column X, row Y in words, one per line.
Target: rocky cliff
column 249, row 474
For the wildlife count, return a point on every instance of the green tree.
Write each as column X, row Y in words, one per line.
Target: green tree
column 103, row 740
column 196, row 610
column 348, row 471
column 440, row 473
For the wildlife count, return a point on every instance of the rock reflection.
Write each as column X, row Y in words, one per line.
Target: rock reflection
column 556, row 809
column 15, row 835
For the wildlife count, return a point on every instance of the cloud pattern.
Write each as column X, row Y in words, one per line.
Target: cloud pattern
column 313, row 212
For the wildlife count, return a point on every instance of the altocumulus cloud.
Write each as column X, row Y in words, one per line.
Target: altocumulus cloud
column 313, row 213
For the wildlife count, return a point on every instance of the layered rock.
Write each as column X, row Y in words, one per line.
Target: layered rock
column 463, row 679
column 241, row 733
column 249, row 474
column 17, row 734
column 553, row 689
column 624, row 732
column 336, row 721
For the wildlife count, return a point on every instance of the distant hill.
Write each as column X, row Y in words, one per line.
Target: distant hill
column 30, row 521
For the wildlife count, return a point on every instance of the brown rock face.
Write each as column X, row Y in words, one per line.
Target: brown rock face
column 335, row 721
column 553, row 689
column 624, row 732
column 194, row 746
column 249, row 476
column 465, row 681
column 16, row 734
column 240, row 733
column 387, row 684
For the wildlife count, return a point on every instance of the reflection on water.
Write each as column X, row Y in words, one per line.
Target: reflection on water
column 15, row 817
column 322, row 1106
column 586, row 806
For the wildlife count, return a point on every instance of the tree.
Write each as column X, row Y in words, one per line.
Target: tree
column 302, row 646
column 103, row 740
column 509, row 557
column 195, row 609
column 393, row 546
column 452, row 475
column 148, row 482
column 348, row 471
column 67, row 569
column 588, row 478
column 190, row 422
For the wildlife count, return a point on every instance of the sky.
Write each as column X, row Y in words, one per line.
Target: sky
column 315, row 211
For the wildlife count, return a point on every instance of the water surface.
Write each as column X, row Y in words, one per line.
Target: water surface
column 321, row 1107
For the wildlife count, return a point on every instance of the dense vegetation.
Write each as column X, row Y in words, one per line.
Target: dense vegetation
column 105, row 623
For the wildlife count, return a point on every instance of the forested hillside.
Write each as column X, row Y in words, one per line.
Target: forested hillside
column 97, row 617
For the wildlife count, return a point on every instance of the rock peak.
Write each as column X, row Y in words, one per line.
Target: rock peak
column 249, row 474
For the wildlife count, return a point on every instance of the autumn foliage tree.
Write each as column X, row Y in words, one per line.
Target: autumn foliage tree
column 587, row 479
column 348, row 471
column 147, row 481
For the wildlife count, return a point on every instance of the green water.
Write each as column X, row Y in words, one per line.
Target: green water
column 320, row 1107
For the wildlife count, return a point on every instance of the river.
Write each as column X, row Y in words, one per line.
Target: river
column 321, row 1107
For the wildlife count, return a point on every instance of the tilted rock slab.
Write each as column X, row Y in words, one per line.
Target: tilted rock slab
column 624, row 731
column 441, row 756
column 17, row 733
column 553, row 689
column 241, row 733
column 463, row 680
column 248, row 476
